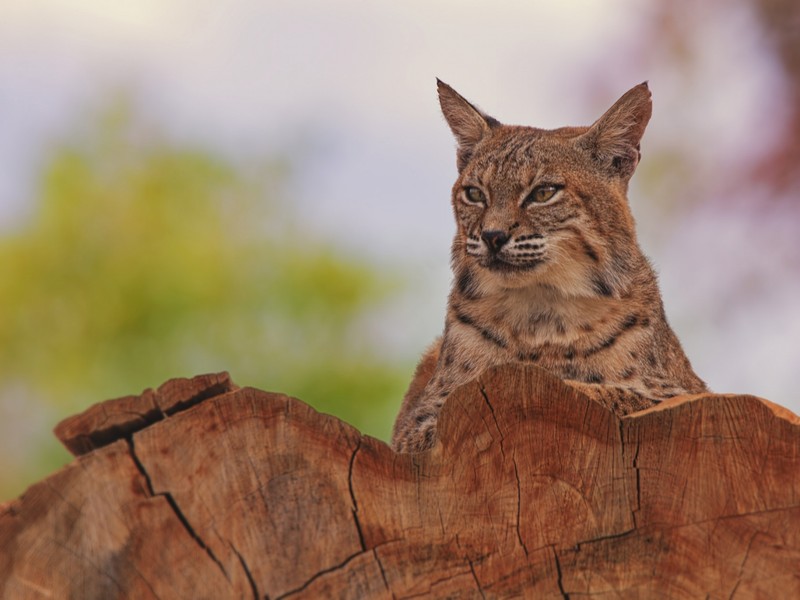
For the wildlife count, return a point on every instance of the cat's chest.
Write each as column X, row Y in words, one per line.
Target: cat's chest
column 535, row 318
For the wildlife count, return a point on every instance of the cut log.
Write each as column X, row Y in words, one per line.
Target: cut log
column 204, row 490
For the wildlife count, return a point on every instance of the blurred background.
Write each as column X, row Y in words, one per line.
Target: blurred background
column 263, row 188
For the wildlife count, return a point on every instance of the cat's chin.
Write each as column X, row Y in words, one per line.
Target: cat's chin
column 507, row 276
column 501, row 267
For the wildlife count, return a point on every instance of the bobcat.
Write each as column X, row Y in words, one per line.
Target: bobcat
column 547, row 268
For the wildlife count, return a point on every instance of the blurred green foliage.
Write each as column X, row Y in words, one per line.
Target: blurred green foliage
column 146, row 261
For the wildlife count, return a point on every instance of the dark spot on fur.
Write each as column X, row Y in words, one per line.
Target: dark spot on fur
column 646, row 322
column 466, row 285
column 486, row 333
column 465, row 319
column 570, row 353
column 633, row 355
column 630, row 321
column 538, row 318
column 560, row 327
column 624, row 164
column 609, row 342
column 589, row 251
column 594, row 378
column 448, row 359
column 587, row 327
column 496, row 339
column 601, row 286
column 627, row 373
column 467, row 366
column 429, row 433
column 422, row 417
column 651, row 359
column 604, row 345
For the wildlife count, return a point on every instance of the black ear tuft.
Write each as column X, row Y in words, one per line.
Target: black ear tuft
column 468, row 124
column 614, row 138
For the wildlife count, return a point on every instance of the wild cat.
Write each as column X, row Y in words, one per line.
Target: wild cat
column 547, row 268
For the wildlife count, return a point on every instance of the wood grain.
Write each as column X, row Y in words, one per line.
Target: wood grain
column 532, row 490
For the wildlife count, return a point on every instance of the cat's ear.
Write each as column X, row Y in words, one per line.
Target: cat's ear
column 614, row 138
column 468, row 124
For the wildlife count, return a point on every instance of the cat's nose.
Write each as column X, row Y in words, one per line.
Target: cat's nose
column 494, row 239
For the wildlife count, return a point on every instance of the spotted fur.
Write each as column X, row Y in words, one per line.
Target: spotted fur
column 547, row 268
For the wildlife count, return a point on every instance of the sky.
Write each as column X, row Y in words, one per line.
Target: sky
column 346, row 89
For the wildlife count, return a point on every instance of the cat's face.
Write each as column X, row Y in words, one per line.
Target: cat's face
column 540, row 206
column 517, row 201
column 532, row 207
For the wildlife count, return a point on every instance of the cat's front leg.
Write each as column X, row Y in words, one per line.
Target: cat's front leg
column 621, row 400
column 448, row 364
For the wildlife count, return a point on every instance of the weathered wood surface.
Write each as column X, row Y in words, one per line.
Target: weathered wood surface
column 115, row 419
column 532, row 491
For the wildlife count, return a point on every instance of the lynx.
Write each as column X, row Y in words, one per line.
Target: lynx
column 547, row 268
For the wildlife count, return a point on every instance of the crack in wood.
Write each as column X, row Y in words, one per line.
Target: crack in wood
column 559, row 580
column 353, row 496
column 519, row 505
column 475, row 577
column 175, row 508
column 383, row 572
column 212, row 391
column 246, row 569
column 635, row 466
column 645, row 531
column 319, row 574
column 342, row 565
column 494, row 417
column 603, row 538
column 103, row 424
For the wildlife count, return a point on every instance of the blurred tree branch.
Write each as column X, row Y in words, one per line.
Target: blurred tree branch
column 146, row 259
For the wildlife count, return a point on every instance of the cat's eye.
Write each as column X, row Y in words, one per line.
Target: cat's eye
column 474, row 195
column 541, row 194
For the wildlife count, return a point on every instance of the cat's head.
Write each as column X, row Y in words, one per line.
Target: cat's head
column 546, row 206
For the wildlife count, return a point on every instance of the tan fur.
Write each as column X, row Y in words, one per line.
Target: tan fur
column 562, row 283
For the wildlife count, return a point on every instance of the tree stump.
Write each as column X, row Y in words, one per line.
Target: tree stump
column 203, row 490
